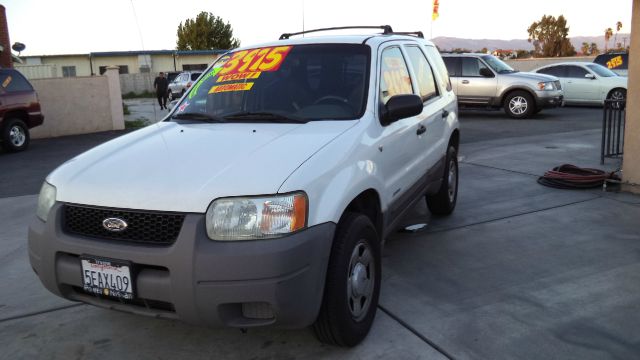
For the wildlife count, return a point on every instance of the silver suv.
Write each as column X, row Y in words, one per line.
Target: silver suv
column 481, row 80
column 182, row 83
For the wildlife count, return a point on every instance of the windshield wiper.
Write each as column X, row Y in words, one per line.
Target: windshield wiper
column 198, row 116
column 264, row 116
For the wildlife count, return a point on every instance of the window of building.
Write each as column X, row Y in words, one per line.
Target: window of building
column 123, row 69
column 423, row 73
column 193, row 67
column 68, row 71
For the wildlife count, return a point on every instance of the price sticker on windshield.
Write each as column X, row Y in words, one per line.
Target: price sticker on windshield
column 255, row 60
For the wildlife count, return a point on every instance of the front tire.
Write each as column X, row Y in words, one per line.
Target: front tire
column 15, row 135
column 519, row 105
column 444, row 201
column 352, row 287
column 617, row 95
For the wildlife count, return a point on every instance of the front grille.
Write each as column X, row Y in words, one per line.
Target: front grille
column 156, row 228
column 558, row 85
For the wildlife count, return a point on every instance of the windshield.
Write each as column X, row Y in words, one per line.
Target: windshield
column 300, row 82
column 601, row 70
column 497, row 65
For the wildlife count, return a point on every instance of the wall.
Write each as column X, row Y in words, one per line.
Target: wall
column 137, row 83
column 631, row 159
column 81, row 62
column 194, row 59
column 130, row 61
column 37, row 71
column 534, row 63
column 78, row 105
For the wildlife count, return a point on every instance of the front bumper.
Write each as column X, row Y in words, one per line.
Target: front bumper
column 197, row 280
column 549, row 99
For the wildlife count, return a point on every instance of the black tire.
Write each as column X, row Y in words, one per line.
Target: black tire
column 617, row 94
column 341, row 321
column 15, row 135
column 519, row 105
column 444, row 201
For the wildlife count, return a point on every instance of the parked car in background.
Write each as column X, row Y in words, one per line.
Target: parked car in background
column 587, row 83
column 484, row 81
column 182, row 83
column 277, row 179
column 19, row 110
column 172, row 75
column 618, row 62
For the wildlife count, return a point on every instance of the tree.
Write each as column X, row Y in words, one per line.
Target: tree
column 205, row 32
column 608, row 32
column 549, row 37
column 618, row 27
column 585, row 48
column 593, row 49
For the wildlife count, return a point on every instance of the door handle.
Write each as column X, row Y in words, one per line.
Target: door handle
column 445, row 114
column 421, row 130
column 465, row 81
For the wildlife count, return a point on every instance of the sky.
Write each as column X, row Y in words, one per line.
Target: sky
column 49, row 27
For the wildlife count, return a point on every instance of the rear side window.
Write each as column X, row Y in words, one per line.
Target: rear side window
column 453, row 65
column 423, row 72
column 394, row 77
column 13, row 81
column 194, row 76
column 471, row 67
column 439, row 65
column 557, row 71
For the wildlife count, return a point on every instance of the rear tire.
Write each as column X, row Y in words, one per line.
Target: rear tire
column 15, row 135
column 618, row 95
column 519, row 105
column 444, row 201
column 352, row 288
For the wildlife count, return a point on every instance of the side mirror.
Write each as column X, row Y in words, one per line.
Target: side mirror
column 590, row 76
column 400, row 107
column 486, row 73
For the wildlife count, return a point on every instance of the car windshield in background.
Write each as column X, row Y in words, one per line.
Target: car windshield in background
column 601, row 70
column 283, row 83
column 497, row 65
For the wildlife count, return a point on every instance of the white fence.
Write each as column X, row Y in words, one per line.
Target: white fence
column 37, row 71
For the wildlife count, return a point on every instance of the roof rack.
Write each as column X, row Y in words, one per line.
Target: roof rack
column 387, row 30
column 411, row 33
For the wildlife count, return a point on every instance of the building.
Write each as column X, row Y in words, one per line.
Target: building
column 129, row 62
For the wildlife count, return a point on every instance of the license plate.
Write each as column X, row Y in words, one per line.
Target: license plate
column 107, row 277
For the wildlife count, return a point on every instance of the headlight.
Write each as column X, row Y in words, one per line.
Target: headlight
column 546, row 86
column 253, row 218
column 46, row 199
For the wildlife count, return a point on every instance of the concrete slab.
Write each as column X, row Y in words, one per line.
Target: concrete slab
column 562, row 283
column 146, row 109
column 86, row 332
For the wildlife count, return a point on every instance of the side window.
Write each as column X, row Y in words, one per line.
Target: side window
column 576, row 72
column 394, row 76
column 439, row 65
column 194, row 76
column 558, row 71
column 13, row 81
column 471, row 67
column 423, row 72
column 453, row 65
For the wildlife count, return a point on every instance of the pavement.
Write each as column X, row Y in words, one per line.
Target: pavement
column 145, row 109
column 518, row 271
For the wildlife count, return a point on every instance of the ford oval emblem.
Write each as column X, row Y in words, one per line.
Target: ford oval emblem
column 114, row 224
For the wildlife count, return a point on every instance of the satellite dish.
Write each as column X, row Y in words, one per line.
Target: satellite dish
column 19, row 47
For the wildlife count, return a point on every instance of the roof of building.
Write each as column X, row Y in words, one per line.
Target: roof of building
column 138, row 52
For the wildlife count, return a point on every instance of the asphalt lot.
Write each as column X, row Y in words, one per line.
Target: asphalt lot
column 519, row 271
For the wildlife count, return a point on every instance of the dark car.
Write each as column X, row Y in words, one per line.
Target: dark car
column 19, row 110
column 618, row 62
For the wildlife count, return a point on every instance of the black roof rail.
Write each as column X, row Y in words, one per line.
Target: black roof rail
column 387, row 30
column 412, row 33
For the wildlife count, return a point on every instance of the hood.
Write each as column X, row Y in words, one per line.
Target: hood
column 531, row 76
column 183, row 167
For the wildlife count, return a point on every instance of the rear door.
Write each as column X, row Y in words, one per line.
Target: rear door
column 473, row 88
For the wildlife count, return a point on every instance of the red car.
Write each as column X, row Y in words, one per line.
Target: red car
column 19, row 110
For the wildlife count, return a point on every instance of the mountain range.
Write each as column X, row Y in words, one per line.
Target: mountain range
column 449, row 43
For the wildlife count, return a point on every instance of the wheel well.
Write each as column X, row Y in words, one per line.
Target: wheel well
column 16, row 114
column 454, row 139
column 506, row 94
column 368, row 204
column 614, row 89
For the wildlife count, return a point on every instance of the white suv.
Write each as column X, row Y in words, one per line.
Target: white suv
column 265, row 196
column 182, row 83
